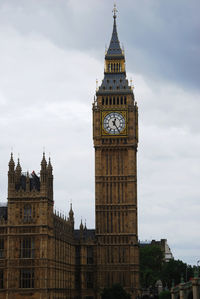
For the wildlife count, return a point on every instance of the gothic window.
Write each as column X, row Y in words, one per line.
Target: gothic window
column 27, row 212
column 117, row 100
column 121, row 100
column 90, row 255
column 111, row 221
column 110, row 99
column 26, row 278
column 27, row 247
column 89, row 280
column 106, row 101
column 119, row 224
column 114, row 101
column 1, row 279
column 78, row 255
column 125, row 100
column 102, row 101
column 1, row 248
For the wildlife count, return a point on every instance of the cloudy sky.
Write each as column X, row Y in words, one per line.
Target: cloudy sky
column 52, row 52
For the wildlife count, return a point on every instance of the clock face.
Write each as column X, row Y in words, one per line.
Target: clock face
column 114, row 123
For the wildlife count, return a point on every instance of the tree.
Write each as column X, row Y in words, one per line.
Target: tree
column 165, row 295
column 151, row 259
column 173, row 270
column 115, row 292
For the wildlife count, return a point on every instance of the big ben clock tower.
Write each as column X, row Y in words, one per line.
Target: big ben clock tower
column 115, row 134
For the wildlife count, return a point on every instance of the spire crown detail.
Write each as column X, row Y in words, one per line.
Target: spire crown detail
column 18, row 167
column 43, row 162
column 114, row 47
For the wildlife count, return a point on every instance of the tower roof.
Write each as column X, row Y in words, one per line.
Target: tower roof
column 114, row 47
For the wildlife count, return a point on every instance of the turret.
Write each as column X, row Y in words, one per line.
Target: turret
column 50, row 179
column 11, row 175
column 43, row 175
column 18, row 172
column 71, row 216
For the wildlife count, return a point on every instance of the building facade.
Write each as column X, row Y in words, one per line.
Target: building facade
column 41, row 254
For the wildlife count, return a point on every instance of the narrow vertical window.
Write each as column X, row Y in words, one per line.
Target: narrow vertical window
column 90, row 255
column 27, row 212
column 1, row 279
column 119, row 222
column 27, row 247
column 110, row 192
column 1, row 248
column 111, row 222
column 108, row 230
column 106, row 101
column 125, row 100
column 26, row 278
column 110, row 163
column 102, row 101
column 106, row 164
column 121, row 100
column 117, row 100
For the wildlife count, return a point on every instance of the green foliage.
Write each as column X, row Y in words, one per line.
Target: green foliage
column 174, row 270
column 165, row 295
column 153, row 268
column 151, row 258
column 115, row 292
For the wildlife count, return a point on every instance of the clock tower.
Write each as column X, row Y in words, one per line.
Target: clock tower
column 115, row 135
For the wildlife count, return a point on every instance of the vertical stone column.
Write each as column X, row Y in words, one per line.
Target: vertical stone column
column 196, row 288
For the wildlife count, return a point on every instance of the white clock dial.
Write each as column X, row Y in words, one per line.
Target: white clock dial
column 114, row 123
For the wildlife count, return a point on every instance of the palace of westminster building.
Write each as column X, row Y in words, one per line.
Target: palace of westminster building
column 42, row 255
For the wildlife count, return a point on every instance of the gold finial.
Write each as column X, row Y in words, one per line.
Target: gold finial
column 97, row 85
column 131, row 82
column 115, row 11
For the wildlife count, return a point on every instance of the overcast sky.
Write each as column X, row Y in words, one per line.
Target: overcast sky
column 52, row 52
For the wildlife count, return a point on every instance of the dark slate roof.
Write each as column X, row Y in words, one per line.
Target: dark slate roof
column 114, row 83
column 114, row 47
column 87, row 234
column 34, row 182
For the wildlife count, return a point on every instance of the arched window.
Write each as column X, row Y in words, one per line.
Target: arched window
column 27, row 212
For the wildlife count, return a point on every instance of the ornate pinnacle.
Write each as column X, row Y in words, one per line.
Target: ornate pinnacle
column 115, row 11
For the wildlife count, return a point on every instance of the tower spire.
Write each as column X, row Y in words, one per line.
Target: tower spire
column 114, row 47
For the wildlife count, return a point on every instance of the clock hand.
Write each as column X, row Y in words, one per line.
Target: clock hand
column 117, row 128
